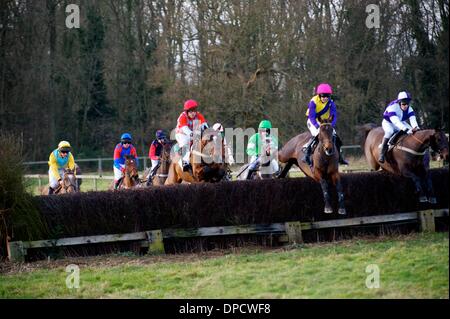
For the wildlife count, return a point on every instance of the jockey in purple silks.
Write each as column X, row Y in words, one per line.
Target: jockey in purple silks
column 394, row 120
column 320, row 108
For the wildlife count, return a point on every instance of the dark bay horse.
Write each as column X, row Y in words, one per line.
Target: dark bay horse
column 406, row 157
column 131, row 174
column 162, row 171
column 325, row 161
column 207, row 160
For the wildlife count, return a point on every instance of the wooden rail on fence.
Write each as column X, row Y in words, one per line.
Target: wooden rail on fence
column 292, row 231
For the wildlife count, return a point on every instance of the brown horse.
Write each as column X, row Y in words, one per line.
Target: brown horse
column 325, row 161
column 69, row 184
column 163, row 169
column 207, row 160
column 406, row 157
column 131, row 175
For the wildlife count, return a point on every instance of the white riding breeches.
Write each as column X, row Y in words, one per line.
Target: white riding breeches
column 183, row 141
column 117, row 174
column 314, row 131
column 53, row 181
column 389, row 128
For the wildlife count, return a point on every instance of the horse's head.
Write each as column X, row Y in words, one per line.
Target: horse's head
column 326, row 137
column 439, row 144
column 69, row 181
column 130, row 166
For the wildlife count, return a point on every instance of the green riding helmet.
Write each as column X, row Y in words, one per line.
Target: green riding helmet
column 265, row 124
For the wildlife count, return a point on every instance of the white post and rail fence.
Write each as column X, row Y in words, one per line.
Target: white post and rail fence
column 289, row 232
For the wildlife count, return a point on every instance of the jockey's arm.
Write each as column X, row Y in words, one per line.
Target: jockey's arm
column 251, row 146
column 413, row 121
column 71, row 163
column 399, row 124
column 312, row 114
column 333, row 114
column 117, row 158
column 53, row 166
column 134, row 153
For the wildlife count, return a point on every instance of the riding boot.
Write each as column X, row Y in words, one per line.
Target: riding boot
column 383, row 150
column 116, row 184
column 253, row 167
column 342, row 161
column 51, row 190
column 307, row 151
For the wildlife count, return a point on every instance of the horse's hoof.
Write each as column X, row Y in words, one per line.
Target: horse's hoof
column 432, row 200
column 342, row 211
column 423, row 199
column 328, row 210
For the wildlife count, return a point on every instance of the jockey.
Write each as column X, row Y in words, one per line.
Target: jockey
column 190, row 120
column 258, row 142
column 320, row 108
column 228, row 150
column 394, row 119
column 155, row 152
column 59, row 159
column 123, row 148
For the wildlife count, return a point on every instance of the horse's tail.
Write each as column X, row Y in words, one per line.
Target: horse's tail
column 363, row 131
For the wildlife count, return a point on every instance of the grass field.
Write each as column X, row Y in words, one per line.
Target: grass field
column 413, row 266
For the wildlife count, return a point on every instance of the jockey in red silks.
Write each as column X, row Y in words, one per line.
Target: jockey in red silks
column 123, row 148
column 190, row 120
column 320, row 108
column 154, row 153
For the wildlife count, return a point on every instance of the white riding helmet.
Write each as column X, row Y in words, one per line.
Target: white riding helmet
column 404, row 96
column 218, row 127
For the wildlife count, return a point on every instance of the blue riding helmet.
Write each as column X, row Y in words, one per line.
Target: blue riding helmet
column 126, row 137
column 160, row 135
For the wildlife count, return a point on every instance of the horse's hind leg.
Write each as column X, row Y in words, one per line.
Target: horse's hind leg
column 326, row 196
column 337, row 181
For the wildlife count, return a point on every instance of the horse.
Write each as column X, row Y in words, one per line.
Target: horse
column 207, row 159
column 69, row 184
column 406, row 156
column 131, row 175
column 163, row 167
column 325, row 160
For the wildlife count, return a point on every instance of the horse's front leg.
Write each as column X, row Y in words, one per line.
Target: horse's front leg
column 326, row 196
column 418, row 185
column 337, row 182
column 430, row 190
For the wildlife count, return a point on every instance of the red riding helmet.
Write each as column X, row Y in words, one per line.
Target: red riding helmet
column 190, row 104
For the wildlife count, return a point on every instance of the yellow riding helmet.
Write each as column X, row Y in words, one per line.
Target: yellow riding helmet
column 64, row 146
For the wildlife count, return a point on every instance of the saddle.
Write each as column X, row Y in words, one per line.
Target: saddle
column 397, row 137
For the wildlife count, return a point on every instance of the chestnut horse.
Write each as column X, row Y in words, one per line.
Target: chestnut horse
column 325, row 161
column 406, row 157
column 131, row 175
column 207, row 160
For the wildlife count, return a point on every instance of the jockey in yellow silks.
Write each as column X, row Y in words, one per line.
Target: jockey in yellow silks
column 320, row 108
column 59, row 159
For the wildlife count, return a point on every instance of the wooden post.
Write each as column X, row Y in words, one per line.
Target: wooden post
column 294, row 232
column 155, row 242
column 427, row 221
column 16, row 251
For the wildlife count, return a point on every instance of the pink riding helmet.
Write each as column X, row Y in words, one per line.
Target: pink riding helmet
column 324, row 88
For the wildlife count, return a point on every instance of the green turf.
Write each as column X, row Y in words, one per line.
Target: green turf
column 414, row 266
